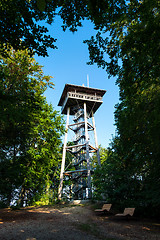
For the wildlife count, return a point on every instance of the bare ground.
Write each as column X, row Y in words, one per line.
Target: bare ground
column 72, row 223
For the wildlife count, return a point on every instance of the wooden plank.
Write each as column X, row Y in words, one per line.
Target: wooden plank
column 73, row 146
column 70, row 125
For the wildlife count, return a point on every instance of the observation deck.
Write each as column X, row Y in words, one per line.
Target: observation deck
column 74, row 95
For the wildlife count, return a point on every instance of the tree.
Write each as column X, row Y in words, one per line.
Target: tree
column 30, row 139
column 133, row 28
column 20, row 26
column 116, row 181
column 22, row 22
column 133, row 48
column 130, row 173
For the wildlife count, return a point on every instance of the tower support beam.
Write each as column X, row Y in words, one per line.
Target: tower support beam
column 88, row 189
column 96, row 141
column 63, row 156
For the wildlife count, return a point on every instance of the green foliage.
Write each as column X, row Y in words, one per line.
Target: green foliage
column 130, row 173
column 114, row 181
column 20, row 27
column 128, row 31
column 129, row 23
column 30, row 131
column 22, row 22
column 128, row 178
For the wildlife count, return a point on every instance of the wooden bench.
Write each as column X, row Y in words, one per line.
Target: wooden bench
column 127, row 212
column 105, row 208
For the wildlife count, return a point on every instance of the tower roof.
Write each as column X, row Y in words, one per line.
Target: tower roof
column 82, row 94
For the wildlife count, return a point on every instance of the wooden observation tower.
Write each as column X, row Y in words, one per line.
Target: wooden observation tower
column 80, row 103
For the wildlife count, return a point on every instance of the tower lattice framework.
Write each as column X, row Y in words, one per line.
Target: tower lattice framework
column 80, row 103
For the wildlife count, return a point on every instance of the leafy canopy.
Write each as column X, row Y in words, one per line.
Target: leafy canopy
column 30, row 131
column 127, row 22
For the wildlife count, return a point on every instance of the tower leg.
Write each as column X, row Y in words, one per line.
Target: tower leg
column 96, row 142
column 88, row 190
column 63, row 157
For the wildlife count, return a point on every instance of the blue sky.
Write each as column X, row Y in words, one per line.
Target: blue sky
column 67, row 64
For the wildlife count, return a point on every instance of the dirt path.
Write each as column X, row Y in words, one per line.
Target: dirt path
column 72, row 223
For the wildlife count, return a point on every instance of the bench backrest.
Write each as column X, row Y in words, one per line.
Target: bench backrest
column 106, row 207
column 129, row 211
